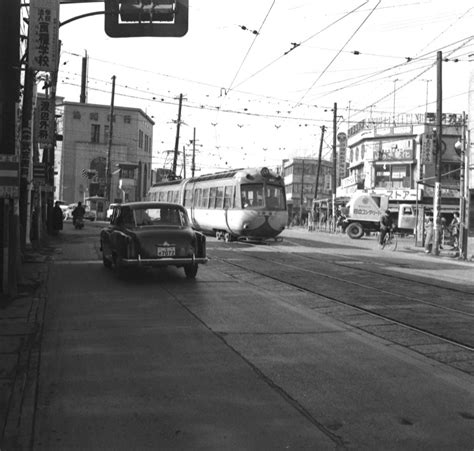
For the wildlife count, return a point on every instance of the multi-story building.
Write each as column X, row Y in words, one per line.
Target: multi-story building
column 300, row 182
column 397, row 159
column 85, row 149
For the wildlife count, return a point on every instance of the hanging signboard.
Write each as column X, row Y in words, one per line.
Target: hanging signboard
column 9, row 181
column 44, row 129
column 43, row 35
column 427, row 146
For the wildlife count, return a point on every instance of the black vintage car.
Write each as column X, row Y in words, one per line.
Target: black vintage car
column 151, row 234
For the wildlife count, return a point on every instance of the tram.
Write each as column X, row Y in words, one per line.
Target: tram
column 239, row 204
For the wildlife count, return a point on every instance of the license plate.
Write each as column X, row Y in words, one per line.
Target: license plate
column 168, row 251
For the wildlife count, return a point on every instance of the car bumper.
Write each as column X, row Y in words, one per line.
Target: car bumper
column 165, row 261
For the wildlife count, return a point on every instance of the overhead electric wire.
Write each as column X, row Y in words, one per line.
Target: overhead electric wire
column 299, row 45
column 419, row 75
column 347, row 42
column 251, row 45
column 446, row 29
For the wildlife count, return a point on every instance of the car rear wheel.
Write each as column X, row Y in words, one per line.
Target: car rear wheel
column 191, row 270
column 107, row 263
column 355, row 230
column 119, row 269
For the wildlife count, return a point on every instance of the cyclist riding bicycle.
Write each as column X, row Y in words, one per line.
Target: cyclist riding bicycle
column 386, row 225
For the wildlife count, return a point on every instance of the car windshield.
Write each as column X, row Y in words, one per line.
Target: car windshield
column 159, row 216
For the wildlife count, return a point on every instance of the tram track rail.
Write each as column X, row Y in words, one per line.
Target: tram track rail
column 398, row 275
column 432, row 339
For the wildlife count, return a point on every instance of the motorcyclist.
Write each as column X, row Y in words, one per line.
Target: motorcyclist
column 78, row 213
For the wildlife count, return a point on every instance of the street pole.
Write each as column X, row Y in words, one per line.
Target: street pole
column 318, row 169
column 302, row 192
column 176, row 144
column 463, row 231
column 109, row 147
column 334, row 166
column 184, row 162
column 439, row 142
column 193, row 164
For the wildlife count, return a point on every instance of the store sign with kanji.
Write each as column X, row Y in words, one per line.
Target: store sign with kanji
column 44, row 121
column 43, row 35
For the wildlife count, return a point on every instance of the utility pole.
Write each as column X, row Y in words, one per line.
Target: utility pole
column 83, row 97
column 439, row 142
column 9, row 164
column 193, row 161
column 302, row 191
column 184, row 162
column 178, row 125
column 334, row 165
column 109, row 147
column 463, row 189
column 318, row 169
column 26, row 148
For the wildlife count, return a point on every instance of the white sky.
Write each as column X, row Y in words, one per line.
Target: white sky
column 276, row 103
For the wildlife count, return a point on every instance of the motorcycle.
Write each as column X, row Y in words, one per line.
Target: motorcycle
column 78, row 223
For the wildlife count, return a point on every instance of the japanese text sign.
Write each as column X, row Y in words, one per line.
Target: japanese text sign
column 43, row 35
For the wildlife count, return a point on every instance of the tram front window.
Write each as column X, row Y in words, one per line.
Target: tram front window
column 274, row 198
column 252, row 195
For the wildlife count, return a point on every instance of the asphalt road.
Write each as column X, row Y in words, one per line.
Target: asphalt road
column 232, row 360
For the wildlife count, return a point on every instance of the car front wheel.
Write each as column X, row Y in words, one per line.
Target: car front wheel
column 191, row 270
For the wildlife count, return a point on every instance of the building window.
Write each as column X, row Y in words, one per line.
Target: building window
column 106, row 133
column 393, row 176
column 94, row 116
column 108, row 118
column 95, row 133
column 76, row 114
column 127, row 173
column 146, row 143
column 140, row 139
column 127, row 119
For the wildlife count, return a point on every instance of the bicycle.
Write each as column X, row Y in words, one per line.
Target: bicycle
column 389, row 241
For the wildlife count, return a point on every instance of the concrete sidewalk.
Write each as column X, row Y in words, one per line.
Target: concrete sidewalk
column 21, row 322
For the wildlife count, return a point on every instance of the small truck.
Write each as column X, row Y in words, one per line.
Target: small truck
column 363, row 211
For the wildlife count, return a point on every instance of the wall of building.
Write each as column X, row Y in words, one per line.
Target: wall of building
column 294, row 179
column 85, row 147
column 398, row 160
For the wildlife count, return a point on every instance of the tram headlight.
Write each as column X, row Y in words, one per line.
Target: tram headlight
column 246, row 225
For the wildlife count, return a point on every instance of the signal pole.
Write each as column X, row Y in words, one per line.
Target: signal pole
column 334, row 165
column 176, row 145
column 193, row 164
column 439, row 142
column 318, row 170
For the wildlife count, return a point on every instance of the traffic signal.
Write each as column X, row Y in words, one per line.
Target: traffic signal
column 132, row 18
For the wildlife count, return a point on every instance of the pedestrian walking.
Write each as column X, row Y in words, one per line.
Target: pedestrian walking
column 429, row 234
column 454, row 228
column 57, row 218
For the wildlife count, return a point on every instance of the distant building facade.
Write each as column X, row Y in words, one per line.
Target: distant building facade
column 398, row 159
column 300, row 181
column 85, row 148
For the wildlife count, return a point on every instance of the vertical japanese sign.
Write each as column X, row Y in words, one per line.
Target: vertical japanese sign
column 427, row 146
column 341, row 157
column 43, row 35
column 44, row 129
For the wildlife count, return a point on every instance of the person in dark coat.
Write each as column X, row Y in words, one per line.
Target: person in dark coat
column 57, row 218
